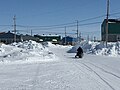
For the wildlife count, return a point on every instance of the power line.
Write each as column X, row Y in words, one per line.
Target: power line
column 114, row 13
column 68, row 23
column 89, row 23
column 91, row 18
column 58, row 26
column 49, row 25
column 65, row 24
column 84, row 24
column 6, row 25
column 45, row 32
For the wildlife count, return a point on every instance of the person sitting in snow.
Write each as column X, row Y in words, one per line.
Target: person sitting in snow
column 79, row 52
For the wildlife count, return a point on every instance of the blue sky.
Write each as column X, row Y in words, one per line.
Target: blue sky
column 56, row 12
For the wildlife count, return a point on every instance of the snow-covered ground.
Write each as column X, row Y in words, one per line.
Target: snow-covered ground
column 34, row 66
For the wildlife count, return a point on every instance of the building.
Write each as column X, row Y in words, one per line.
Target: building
column 8, row 37
column 28, row 37
column 113, row 30
column 55, row 39
column 68, row 40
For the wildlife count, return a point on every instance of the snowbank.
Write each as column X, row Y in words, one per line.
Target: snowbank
column 28, row 45
column 98, row 48
column 49, row 44
column 27, row 51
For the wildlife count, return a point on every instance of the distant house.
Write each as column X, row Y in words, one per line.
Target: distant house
column 8, row 37
column 55, row 39
column 68, row 40
column 28, row 37
column 113, row 30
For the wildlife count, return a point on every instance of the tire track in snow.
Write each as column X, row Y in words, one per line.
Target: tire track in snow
column 108, row 72
column 99, row 76
column 88, row 68
column 105, row 71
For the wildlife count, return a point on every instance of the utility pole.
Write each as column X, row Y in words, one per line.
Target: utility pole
column 31, row 32
column 14, row 18
column 65, row 36
column 88, row 38
column 77, row 31
column 94, row 38
column 80, row 37
column 107, row 22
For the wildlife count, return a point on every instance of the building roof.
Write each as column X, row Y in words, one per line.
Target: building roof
column 8, row 35
column 112, row 20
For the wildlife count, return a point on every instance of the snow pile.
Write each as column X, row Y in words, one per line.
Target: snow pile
column 98, row 48
column 48, row 44
column 28, row 45
column 27, row 51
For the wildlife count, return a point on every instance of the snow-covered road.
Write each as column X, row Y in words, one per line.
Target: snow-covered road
column 96, row 72
column 65, row 73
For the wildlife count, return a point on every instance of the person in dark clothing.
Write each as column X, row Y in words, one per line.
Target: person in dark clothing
column 79, row 52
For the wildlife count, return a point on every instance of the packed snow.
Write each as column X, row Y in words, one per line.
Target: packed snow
column 30, row 65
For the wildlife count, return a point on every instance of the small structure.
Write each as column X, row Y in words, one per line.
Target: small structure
column 113, row 30
column 68, row 40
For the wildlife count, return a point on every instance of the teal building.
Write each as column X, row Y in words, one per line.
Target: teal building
column 113, row 30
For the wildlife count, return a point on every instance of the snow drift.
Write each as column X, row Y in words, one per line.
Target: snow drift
column 98, row 48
